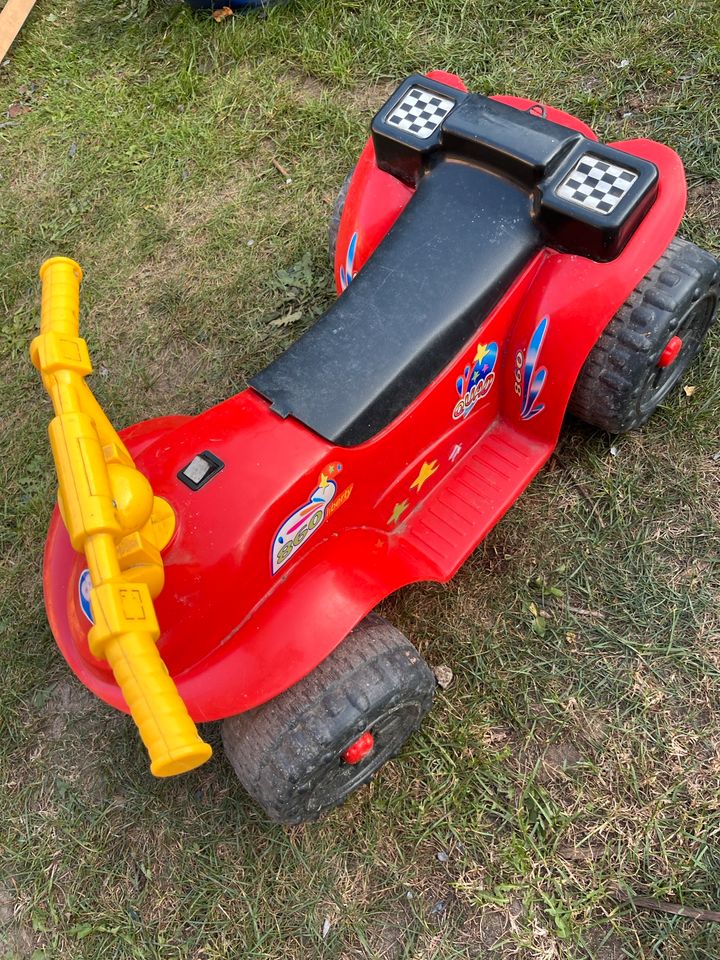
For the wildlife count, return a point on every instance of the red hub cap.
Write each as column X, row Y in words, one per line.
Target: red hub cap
column 358, row 750
column 671, row 351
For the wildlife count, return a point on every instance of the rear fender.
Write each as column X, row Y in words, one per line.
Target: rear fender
column 573, row 299
column 375, row 199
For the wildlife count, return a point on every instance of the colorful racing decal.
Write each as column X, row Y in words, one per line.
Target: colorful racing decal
column 84, row 588
column 428, row 468
column 346, row 272
column 305, row 521
column 476, row 380
column 529, row 378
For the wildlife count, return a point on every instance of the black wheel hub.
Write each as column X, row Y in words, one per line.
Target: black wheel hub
column 691, row 329
column 335, row 779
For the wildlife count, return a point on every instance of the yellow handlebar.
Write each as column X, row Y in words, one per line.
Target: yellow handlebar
column 111, row 515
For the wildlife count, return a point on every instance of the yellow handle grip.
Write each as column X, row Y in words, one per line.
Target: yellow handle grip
column 60, row 304
column 104, row 500
column 165, row 726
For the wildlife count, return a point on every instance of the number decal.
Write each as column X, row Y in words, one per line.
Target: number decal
column 305, row 521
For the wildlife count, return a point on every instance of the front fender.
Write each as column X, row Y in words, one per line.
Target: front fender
column 298, row 624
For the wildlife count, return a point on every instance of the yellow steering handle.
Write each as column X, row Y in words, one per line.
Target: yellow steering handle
column 111, row 515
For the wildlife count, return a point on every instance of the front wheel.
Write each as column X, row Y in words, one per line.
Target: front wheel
column 308, row 749
column 648, row 345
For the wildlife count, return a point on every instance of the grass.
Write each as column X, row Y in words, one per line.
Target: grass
column 577, row 750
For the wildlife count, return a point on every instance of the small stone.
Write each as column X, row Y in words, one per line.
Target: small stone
column 624, row 63
column 250, row 243
column 442, row 857
column 325, row 928
column 72, row 150
column 443, row 675
column 613, row 451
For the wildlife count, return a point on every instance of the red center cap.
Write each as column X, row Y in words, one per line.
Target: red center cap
column 671, row 351
column 360, row 749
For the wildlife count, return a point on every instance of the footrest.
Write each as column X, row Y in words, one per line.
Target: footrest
column 477, row 492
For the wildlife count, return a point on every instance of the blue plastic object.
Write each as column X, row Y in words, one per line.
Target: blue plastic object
column 238, row 5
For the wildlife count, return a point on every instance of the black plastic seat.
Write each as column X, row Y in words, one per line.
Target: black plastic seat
column 463, row 238
column 493, row 184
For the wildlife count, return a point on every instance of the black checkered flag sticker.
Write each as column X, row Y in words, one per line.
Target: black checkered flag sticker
column 420, row 112
column 596, row 184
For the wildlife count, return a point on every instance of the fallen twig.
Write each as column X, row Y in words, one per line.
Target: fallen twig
column 280, row 168
column 582, row 612
column 664, row 906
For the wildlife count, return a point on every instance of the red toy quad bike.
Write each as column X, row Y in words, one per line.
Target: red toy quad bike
column 499, row 267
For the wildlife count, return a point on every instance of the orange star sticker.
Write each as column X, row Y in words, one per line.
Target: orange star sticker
column 426, row 471
column 398, row 510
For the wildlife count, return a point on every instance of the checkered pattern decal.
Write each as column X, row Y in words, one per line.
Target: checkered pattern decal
column 420, row 112
column 596, row 184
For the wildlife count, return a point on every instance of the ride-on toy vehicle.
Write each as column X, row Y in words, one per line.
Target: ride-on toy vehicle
column 498, row 266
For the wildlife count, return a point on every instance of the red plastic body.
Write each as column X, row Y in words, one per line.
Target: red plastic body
column 239, row 625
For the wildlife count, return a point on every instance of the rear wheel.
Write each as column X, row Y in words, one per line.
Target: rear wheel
column 336, row 217
column 308, row 749
column 650, row 342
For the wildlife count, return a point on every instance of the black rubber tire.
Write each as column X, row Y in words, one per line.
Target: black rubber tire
column 621, row 385
column 336, row 216
column 288, row 752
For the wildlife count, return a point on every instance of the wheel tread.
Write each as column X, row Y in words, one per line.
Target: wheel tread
column 607, row 386
column 268, row 746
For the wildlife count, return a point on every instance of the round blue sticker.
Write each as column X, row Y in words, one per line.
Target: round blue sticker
column 84, row 588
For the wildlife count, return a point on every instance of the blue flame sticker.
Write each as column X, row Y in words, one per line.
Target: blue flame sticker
column 84, row 588
column 347, row 272
column 533, row 377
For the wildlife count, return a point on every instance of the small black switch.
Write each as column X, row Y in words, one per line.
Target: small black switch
column 200, row 470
